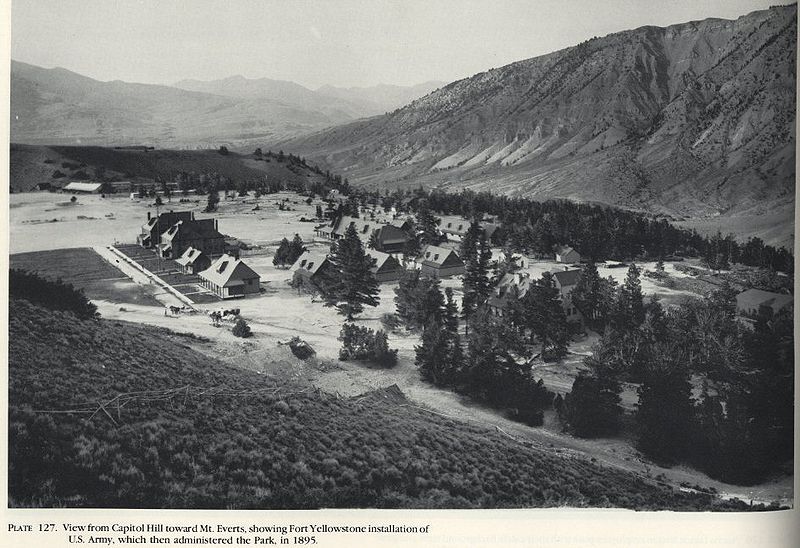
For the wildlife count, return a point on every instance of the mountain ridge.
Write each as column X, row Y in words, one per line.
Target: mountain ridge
column 693, row 120
column 59, row 106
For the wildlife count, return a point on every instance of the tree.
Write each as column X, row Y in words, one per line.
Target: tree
column 586, row 293
column 412, row 248
column 281, row 257
column 593, row 408
column 364, row 344
column 545, row 317
column 469, row 244
column 212, row 201
column 630, row 302
column 159, row 201
column 223, row 150
column 241, row 329
column 319, row 214
column 296, row 248
column 664, row 410
column 258, row 153
column 418, row 300
column 426, row 224
column 440, row 356
column 73, row 199
column 354, row 285
column 477, row 285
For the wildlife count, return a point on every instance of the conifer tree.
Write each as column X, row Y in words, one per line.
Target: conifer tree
column 426, row 223
column 630, row 302
column 545, row 317
column 477, row 285
column 351, row 283
column 586, row 293
column 296, row 248
column 281, row 257
column 372, row 243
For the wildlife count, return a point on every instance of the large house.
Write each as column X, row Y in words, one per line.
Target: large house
column 389, row 238
column 439, row 262
column 200, row 234
column 158, row 224
column 193, row 261
column 516, row 286
column 386, row 268
column 756, row 301
column 565, row 254
column 229, row 278
column 565, row 281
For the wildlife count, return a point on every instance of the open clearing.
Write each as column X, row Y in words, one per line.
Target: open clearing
column 281, row 313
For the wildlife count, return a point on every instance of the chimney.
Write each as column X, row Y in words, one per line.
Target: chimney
column 148, row 215
column 216, row 224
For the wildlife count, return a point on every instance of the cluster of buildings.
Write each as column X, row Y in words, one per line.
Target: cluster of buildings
column 198, row 247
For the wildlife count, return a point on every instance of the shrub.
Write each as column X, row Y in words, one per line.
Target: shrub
column 364, row 344
column 54, row 295
column 241, row 329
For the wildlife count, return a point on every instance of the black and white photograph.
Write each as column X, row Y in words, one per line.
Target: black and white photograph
column 300, row 255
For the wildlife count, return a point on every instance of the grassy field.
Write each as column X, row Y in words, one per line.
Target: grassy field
column 86, row 270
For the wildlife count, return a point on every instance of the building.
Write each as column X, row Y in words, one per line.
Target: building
column 453, row 225
column 756, row 301
column 511, row 287
column 84, row 188
column 386, row 268
column 193, row 261
column 200, row 234
column 438, row 262
column 156, row 225
column 389, row 238
column 230, row 278
column 565, row 281
column 566, row 254
column 516, row 285
column 308, row 268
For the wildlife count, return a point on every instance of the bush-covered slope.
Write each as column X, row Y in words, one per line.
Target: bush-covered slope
column 181, row 430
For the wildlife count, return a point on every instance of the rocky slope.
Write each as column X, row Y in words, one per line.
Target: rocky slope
column 695, row 120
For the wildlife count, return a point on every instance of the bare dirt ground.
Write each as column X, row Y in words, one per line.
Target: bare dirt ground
column 281, row 313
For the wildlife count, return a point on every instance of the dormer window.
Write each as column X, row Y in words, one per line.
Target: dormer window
column 436, row 257
column 303, row 263
column 428, row 255
column 222, row 267
column 460, row 227
column 311, row 265
column 366, row 227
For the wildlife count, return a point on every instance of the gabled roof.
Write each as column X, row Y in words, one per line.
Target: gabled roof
column 381, row 259
column 310, row 261
column 228, row 271
column 755, row 298
column 567, row 277
column 364, row 227
column 433, row 255
column 83, row 187
column 189, row 256
column 454, row 223
column 563, row 250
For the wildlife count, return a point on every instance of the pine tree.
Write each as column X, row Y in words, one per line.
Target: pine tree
column 296, row 248
column 664, row 410
column 586, row 293
column 469, row 245
column 354, row 285
column 545, row 317
column 432, row 354
column 426, row 223
column 319, row 213
column 477, row 285
column 281, row 257
column 630, row 302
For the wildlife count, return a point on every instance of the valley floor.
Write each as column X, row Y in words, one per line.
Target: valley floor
column 281, row 313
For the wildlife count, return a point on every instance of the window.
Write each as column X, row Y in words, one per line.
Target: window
column 436, row 257
column 311, row 265
column 449, row 225
column 460, row 227
column 303, row 263
column 366, row 227
column 428, row 255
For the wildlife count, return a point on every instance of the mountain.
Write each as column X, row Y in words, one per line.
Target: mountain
column 694, row 120
column 57, row 106
column 382, row 98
